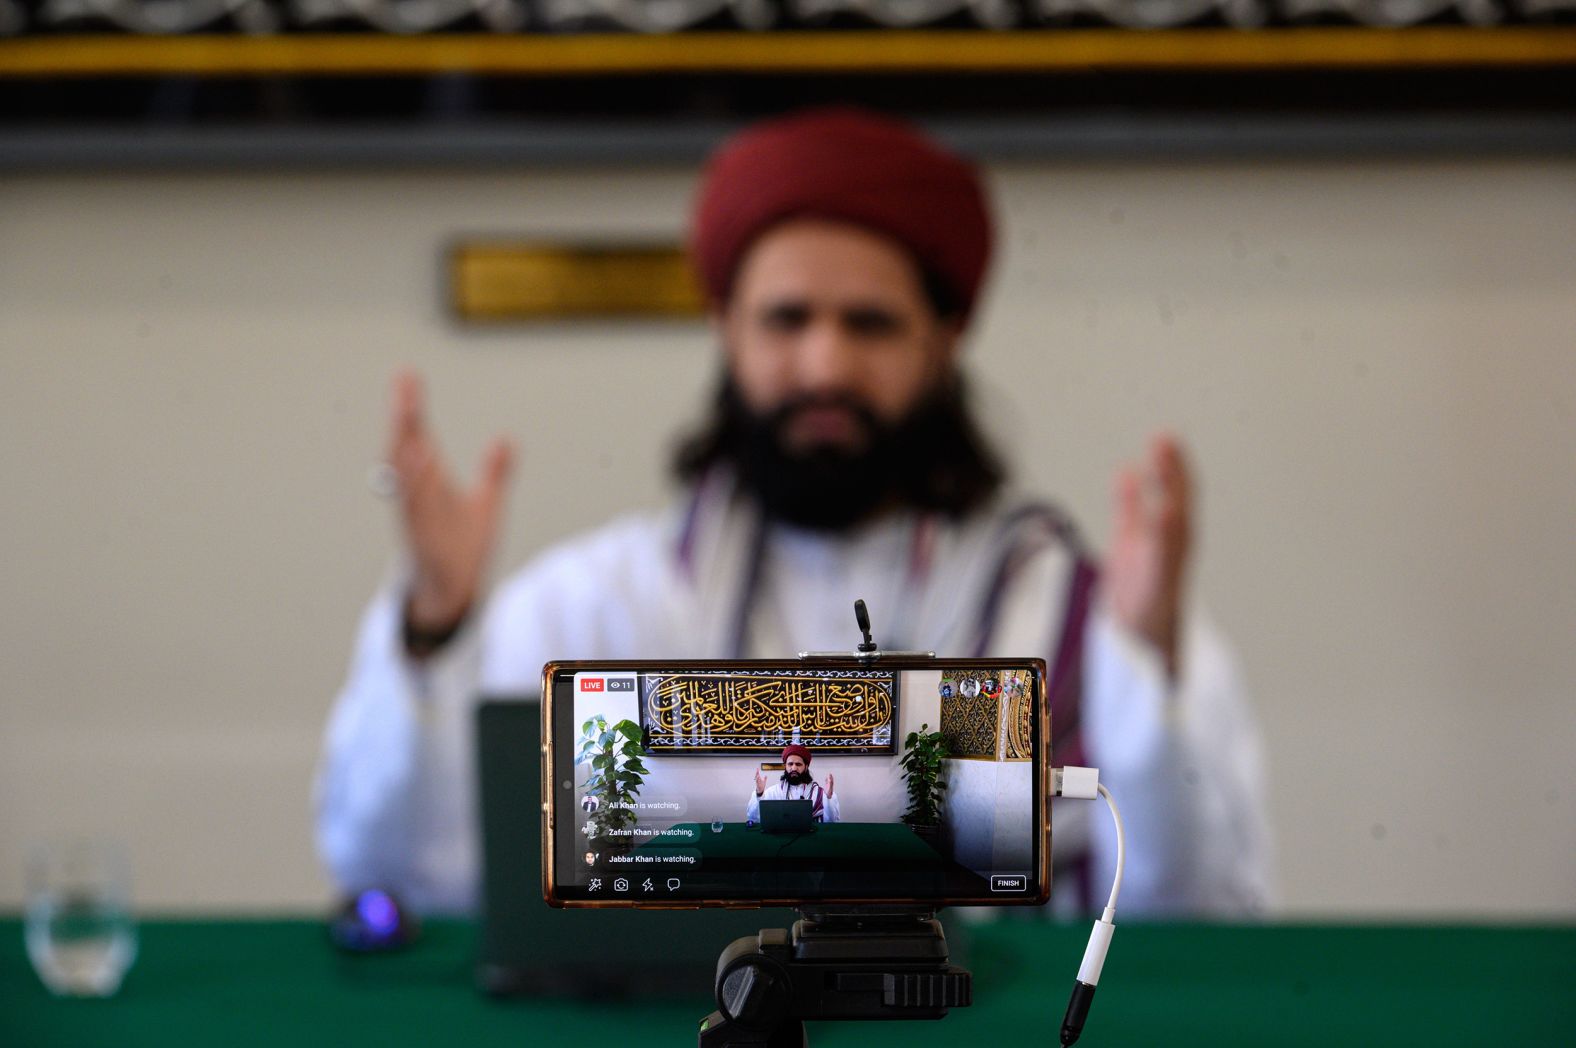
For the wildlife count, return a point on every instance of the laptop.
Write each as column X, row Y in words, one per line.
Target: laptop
column 787, row 817
column 527, row 948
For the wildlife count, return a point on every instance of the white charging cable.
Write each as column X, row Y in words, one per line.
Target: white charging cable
column 1084, row 784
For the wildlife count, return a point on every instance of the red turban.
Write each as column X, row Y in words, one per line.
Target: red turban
column 796, row 750
column 847, row 165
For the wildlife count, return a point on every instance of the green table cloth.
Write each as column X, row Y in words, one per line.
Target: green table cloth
column 242, row 983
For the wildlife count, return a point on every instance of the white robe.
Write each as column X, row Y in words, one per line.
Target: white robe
column 394, row 797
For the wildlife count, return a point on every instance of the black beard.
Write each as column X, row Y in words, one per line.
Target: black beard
column 934, row 458
column 796, row 778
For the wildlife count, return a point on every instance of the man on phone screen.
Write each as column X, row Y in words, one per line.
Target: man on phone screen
column 795, row 784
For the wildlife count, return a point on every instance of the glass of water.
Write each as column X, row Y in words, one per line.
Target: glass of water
column 80, row 934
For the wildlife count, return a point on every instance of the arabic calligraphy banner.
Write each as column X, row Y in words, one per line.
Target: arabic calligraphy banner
column 745, row 711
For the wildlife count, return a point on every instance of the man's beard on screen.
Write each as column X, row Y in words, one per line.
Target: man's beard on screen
column 796, row 778
column 933, row 458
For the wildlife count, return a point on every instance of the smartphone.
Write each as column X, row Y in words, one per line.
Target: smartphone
column 894, row 781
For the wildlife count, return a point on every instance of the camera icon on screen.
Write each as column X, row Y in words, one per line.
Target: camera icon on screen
column 621, row 884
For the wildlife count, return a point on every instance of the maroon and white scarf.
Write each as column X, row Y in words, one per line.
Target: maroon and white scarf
column 815, row 796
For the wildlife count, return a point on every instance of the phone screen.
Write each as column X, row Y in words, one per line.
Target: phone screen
column 683, row 784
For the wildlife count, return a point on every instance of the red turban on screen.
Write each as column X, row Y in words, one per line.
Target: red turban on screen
column 847, row 165
column 796, row 750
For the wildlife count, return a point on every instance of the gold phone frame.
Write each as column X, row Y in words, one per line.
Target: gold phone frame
column 1041, row 774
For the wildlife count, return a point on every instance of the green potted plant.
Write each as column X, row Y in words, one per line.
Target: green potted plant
column 613, row 753
column 923, row 754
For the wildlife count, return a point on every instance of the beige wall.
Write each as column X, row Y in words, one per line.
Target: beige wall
column 1373, row 364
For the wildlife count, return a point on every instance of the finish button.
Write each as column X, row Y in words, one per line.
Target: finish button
column 1009, row 882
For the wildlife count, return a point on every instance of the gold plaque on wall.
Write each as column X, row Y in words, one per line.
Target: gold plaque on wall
column 522, row 281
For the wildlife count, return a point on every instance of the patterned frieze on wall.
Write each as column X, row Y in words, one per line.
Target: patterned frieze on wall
column 164, row 17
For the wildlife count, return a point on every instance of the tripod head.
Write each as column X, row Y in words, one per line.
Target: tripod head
column 848, row 963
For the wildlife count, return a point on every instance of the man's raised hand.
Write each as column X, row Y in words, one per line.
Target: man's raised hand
column 1147, row 558
column 449, row 531
column 760, row 782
